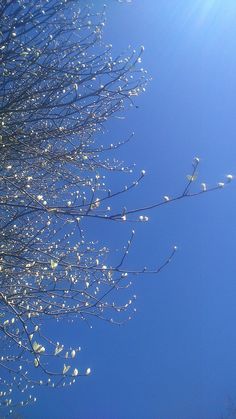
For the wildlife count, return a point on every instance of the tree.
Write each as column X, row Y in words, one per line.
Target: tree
column 60, row 84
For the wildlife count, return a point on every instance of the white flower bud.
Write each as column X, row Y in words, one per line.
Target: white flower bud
column 36, row 362
column 229, row 178
column 204, row 187
column 75, row 372
column 88, row 371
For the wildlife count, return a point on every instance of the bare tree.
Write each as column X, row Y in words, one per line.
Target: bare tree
column 59, row 85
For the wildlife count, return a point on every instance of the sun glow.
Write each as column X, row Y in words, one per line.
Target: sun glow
column 216, row 7
column 205, row 12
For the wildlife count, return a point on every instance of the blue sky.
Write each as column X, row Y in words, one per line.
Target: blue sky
column 176, row 358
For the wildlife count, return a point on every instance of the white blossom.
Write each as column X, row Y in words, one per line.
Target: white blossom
column 65, row 369
column 38, row 348
column 54, row 264
column 58, row 349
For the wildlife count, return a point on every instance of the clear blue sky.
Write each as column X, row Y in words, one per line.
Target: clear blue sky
column 177, row 358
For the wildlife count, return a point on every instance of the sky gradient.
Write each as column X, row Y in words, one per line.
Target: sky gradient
column 176, row 359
